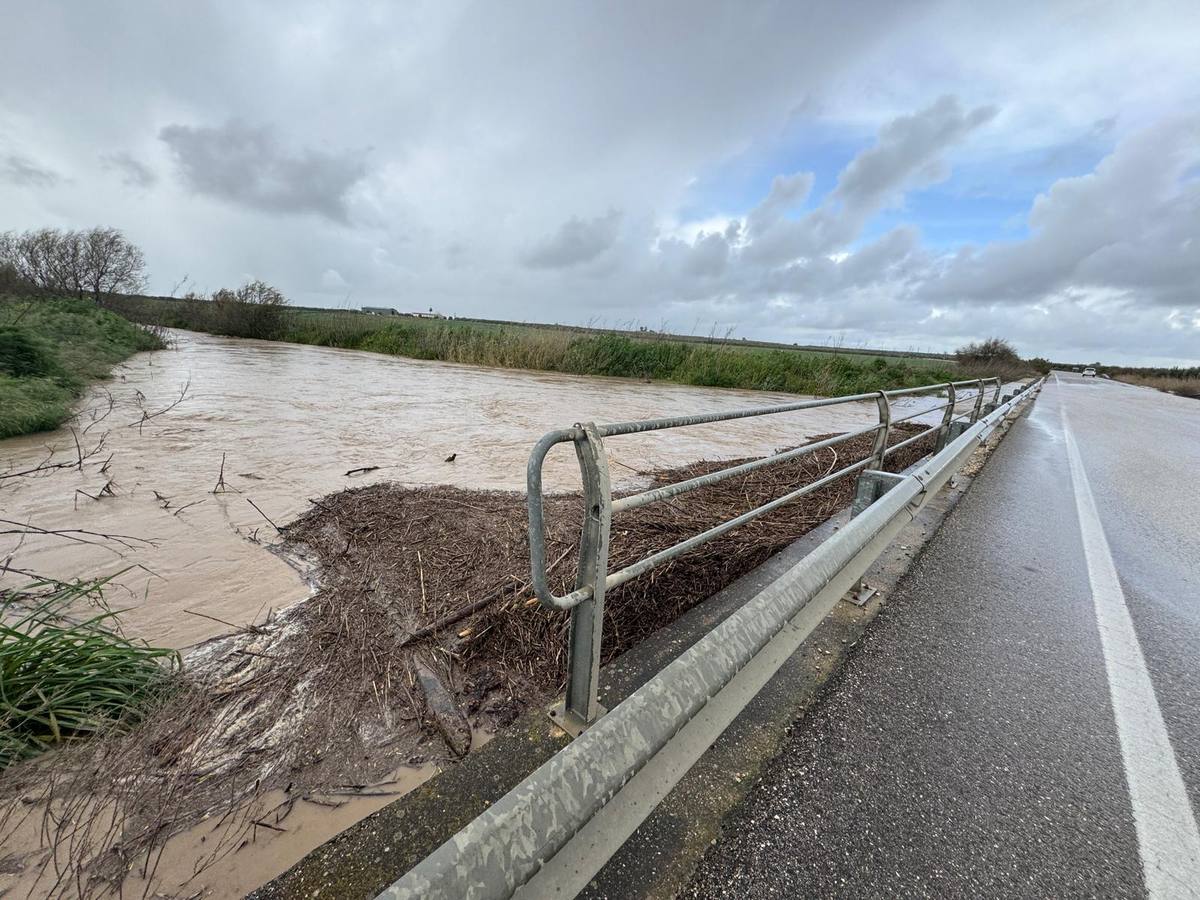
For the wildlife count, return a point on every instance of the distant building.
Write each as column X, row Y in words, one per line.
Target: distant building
column 391, row 311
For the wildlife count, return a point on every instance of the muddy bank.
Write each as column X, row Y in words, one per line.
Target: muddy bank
column 338, row 697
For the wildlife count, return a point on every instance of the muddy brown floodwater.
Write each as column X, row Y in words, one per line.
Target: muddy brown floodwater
column 290, row 420
column 130, row 491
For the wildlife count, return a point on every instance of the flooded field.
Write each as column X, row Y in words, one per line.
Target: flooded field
column 289, row 421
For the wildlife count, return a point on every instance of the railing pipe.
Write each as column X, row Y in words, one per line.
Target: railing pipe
column 912, row 440
column 645, row 565
column 705, row 418
column 635, row 501
column 947, row 417
column 885, row 424
column 586, row 601
column 537, row 518
column 978, row 402
column 582, row 704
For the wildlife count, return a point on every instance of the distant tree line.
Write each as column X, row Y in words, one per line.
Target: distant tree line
column 254, row 310
column 89, row 263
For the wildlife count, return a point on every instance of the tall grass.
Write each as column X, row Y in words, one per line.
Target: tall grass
column 50, row 350
column 546, row 348
column 1181, row 385
column 66, row 675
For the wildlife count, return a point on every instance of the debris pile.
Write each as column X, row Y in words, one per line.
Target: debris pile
column 423, row 635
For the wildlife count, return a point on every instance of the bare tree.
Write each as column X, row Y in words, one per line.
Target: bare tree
column 110, row 263
column 34, row 257
column 96, row 262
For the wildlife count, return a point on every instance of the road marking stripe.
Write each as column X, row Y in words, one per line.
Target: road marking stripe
column 1168, row 839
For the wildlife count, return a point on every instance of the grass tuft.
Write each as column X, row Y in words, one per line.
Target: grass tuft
column 63, row 678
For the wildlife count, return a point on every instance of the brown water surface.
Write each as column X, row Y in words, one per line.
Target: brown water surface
column 290, row 420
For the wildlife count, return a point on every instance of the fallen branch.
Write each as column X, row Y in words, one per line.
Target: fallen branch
column 146, row 417
column 188, row 506
column 264, row 515
column 257, row 629
column 482, row 603
column 79, row 535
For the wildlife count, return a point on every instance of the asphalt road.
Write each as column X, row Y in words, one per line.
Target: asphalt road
column 1024, row 717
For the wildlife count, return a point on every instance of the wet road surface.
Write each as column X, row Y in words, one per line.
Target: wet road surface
column 1024, row 717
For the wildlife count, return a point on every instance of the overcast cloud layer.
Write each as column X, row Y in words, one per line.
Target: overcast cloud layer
column 900, row 175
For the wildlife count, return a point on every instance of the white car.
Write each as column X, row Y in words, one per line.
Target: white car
column 1089, row 371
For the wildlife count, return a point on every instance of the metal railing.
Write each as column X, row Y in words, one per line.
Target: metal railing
column 678, row 712
column 581, row 706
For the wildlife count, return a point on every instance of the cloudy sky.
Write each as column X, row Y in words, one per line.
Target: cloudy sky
column 907, row 175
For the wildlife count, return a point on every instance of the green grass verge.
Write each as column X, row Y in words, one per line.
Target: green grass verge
column 50, row 350
column 728, row 364
column 65, row 673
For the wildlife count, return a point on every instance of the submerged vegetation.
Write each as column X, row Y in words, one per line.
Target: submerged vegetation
column 50, row 349
column 711, row 363
column 65, row 671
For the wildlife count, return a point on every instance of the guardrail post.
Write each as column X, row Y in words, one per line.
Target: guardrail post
column 948, row 416
column 978, row 403
column 581, row 706
column 868, row 487
column 872, row 485
column 991, row 405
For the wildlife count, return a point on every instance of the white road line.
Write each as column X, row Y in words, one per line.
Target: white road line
column 1168, row 839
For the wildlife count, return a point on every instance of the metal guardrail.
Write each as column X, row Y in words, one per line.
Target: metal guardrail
column 504, row 847
column 581, row 706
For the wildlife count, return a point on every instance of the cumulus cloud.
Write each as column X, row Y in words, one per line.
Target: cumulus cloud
column 576, row 241
column 246, row 164
column 1109, row 253
column 907, row 155
column 1132, row 225
column 772, row 255
column 134, row 173
column 24, row 172
column 787, row 193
